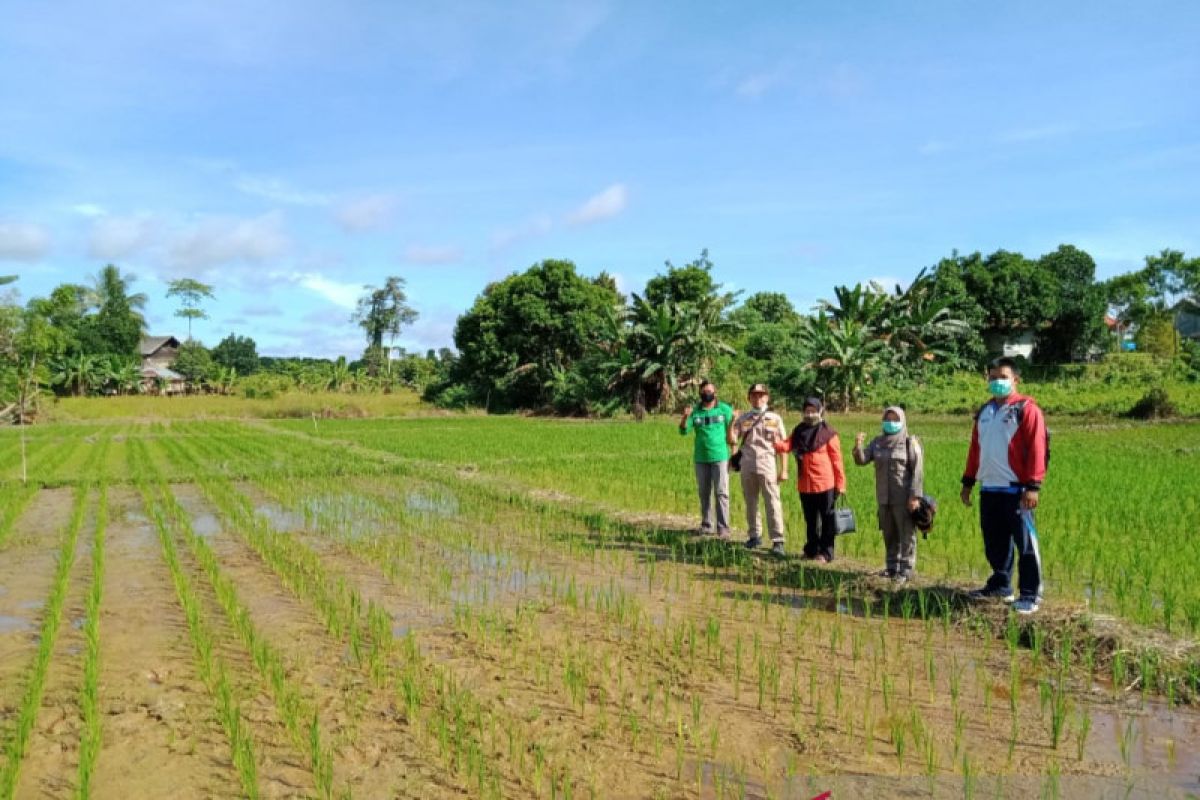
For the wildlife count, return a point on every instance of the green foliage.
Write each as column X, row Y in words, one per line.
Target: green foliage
column 691, row 283
column 194, row 362
column 1157, row 337
column 1155, row 404
column 191, row 294
column 117, row 326
column 1078, row 327
column 523, row 328
column 383, row 311
column 238, row 353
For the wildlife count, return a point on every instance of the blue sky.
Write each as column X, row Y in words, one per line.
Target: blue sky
column 290, row 152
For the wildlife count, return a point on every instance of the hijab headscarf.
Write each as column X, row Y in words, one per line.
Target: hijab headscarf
column 807, row 438
column 895, row 439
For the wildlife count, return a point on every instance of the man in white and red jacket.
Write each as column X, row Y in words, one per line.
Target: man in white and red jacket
column 1008, row 456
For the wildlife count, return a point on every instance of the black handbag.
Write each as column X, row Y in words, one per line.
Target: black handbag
column 735, row 460
column 843, row 517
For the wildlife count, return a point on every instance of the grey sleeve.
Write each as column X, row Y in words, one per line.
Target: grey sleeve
column 864, row 456
column 916, row 483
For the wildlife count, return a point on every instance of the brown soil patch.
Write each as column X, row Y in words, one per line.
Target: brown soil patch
column 160, row 734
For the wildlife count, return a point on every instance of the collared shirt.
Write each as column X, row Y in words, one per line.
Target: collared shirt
column 758, row 440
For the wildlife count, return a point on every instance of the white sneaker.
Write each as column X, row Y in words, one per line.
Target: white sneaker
column 1026, row 605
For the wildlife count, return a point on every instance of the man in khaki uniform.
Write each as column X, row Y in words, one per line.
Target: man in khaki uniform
column 755, row 433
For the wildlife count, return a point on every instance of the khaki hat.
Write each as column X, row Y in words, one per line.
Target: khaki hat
column 758, row 388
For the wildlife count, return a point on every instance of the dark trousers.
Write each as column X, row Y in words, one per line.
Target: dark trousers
column 819, row 526
column 1009, row 534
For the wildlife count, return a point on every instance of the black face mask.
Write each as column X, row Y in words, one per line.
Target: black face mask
column 708, row 397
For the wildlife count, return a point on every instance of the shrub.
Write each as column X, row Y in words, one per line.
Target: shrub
column 1156, row 404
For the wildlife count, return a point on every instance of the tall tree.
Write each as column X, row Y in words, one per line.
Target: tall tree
column 117, row 326
column 237, row 352
column 382, row 312
column 1079, row 324
column 523, row 328
column 191, row 293
column 687, row 284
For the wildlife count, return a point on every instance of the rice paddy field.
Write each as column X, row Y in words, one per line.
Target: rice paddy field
column 493, row 607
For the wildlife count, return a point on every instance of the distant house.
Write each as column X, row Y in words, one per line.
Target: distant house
column 158, row 354
column 1011, row 344
column 1123, row 331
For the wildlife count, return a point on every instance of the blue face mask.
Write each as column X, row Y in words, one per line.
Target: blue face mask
column 1000, row 387
column 892, row 428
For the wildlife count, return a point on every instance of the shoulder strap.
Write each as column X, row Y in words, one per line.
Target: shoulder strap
column 757, row 422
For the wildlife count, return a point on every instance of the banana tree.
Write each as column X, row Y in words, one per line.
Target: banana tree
column 77, row 374
column 845, row 354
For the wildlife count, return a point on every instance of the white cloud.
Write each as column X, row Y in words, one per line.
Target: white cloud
column 432, row 330
column 433, row 254
column 605, row 205
column 279, row 191
column 340, row 294
column 114, row 238
column 223, row 241
column 88, row 210
column 23, row 241
column 366, row 213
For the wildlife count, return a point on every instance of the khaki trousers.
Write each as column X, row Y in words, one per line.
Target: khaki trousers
column 755, row 485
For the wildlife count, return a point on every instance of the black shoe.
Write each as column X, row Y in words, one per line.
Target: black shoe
column 753, row 542
column 993, row 593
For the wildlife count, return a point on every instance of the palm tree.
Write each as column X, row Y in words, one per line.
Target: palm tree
column 338, row 377
column 866, row 305
column 661, row 356
column 77, row 374
column 109, row 287
column 708, row 332
column 923, row 326
column 845, row 354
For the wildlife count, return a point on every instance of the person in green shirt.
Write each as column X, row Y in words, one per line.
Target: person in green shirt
column 711, row 421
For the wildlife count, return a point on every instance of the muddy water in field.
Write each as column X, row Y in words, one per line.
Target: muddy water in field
column 849, row 687
column 27, row 573
column 375, row 755
column 52, row 759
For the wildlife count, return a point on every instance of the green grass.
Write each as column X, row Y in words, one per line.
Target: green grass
column 1116, row 521
column 292, row 404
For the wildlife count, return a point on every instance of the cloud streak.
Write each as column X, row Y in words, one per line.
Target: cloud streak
column 607, row 204
column 366, row 213
column 223, row 241
column 115, row 238
column 279, row 191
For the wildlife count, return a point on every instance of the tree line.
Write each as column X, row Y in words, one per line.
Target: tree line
column 550, row 338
